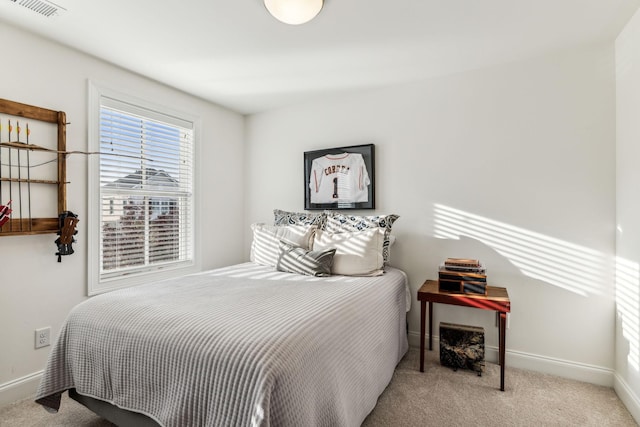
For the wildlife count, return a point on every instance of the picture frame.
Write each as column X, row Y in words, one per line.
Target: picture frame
column 340, row 178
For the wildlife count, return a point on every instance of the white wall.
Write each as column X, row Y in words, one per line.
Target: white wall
column 36, row 291
column 628, row 216
column 513, row 165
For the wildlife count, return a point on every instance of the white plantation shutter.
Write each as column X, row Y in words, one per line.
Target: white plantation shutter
column 145, row 190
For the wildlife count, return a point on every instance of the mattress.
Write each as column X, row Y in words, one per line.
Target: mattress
column 237, row 346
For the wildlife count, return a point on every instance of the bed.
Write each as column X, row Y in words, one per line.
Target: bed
column 244, row 345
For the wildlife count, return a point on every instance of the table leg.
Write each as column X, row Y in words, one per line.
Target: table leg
column 502, row 332
column 430, row 325
column 422, row 309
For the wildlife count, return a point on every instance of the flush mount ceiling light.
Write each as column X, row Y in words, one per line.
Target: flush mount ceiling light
column 294, row 12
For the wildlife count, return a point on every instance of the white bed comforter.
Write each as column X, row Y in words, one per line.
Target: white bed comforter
column 238, row 346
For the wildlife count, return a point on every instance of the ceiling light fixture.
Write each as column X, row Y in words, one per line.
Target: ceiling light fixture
column 294, row 12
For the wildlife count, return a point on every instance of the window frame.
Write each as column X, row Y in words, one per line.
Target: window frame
column 96, row 283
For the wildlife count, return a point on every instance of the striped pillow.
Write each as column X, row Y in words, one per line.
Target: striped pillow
column 294, row 259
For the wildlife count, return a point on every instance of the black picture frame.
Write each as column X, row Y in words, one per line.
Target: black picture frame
column 355, row 198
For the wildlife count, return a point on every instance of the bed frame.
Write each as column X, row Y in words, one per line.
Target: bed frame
column 118, row 416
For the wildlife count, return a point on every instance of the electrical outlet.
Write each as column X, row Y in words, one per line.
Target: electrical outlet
column 43, row 337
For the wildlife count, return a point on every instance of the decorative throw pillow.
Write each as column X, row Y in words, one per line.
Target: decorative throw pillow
column 281, row 217
column 337, row 222
column 358, row 253
column 294, row 259
column 266, row 238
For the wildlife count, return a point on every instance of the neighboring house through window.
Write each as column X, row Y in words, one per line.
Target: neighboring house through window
column 142, row 191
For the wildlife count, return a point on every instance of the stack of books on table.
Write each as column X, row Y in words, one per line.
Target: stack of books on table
column 467, row 276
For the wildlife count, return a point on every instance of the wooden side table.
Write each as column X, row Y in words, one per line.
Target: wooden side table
column 497, row 299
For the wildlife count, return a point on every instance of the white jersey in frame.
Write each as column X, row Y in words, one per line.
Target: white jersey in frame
column 339, row 178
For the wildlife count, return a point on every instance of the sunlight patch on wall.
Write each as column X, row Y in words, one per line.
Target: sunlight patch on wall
column 569, row 266
column 628, row 306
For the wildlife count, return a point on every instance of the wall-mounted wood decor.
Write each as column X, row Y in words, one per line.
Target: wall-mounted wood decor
column 29, row 178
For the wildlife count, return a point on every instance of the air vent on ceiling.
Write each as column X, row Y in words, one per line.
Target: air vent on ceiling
column 43, row 7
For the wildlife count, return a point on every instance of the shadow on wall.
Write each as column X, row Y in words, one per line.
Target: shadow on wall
column 628, row 306
column 572, row 267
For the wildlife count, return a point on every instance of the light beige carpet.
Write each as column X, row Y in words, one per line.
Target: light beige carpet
column 437, row 397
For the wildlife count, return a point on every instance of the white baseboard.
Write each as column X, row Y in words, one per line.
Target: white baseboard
column 560, row 367
column 628, row 396
column 19, row 389
column 538, row 363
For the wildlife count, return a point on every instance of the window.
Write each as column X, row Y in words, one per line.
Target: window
column 142, row 187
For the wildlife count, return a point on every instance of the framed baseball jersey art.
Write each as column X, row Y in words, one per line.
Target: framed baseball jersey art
column 340, row 178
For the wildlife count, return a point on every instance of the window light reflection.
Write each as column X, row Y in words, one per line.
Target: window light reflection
column 628, row 306
column 572, row 267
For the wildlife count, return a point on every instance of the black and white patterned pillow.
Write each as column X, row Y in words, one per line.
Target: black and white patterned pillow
column 336, row 222
column 281, row 217
column 295, row 259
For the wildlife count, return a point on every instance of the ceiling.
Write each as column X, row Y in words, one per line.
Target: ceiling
column 233, row 53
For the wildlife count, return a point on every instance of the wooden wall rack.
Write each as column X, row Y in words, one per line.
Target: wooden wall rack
column 19, row 224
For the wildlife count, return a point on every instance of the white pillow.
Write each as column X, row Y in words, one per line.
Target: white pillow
column 265, row 248
column 358, row 253
column 336, row 222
